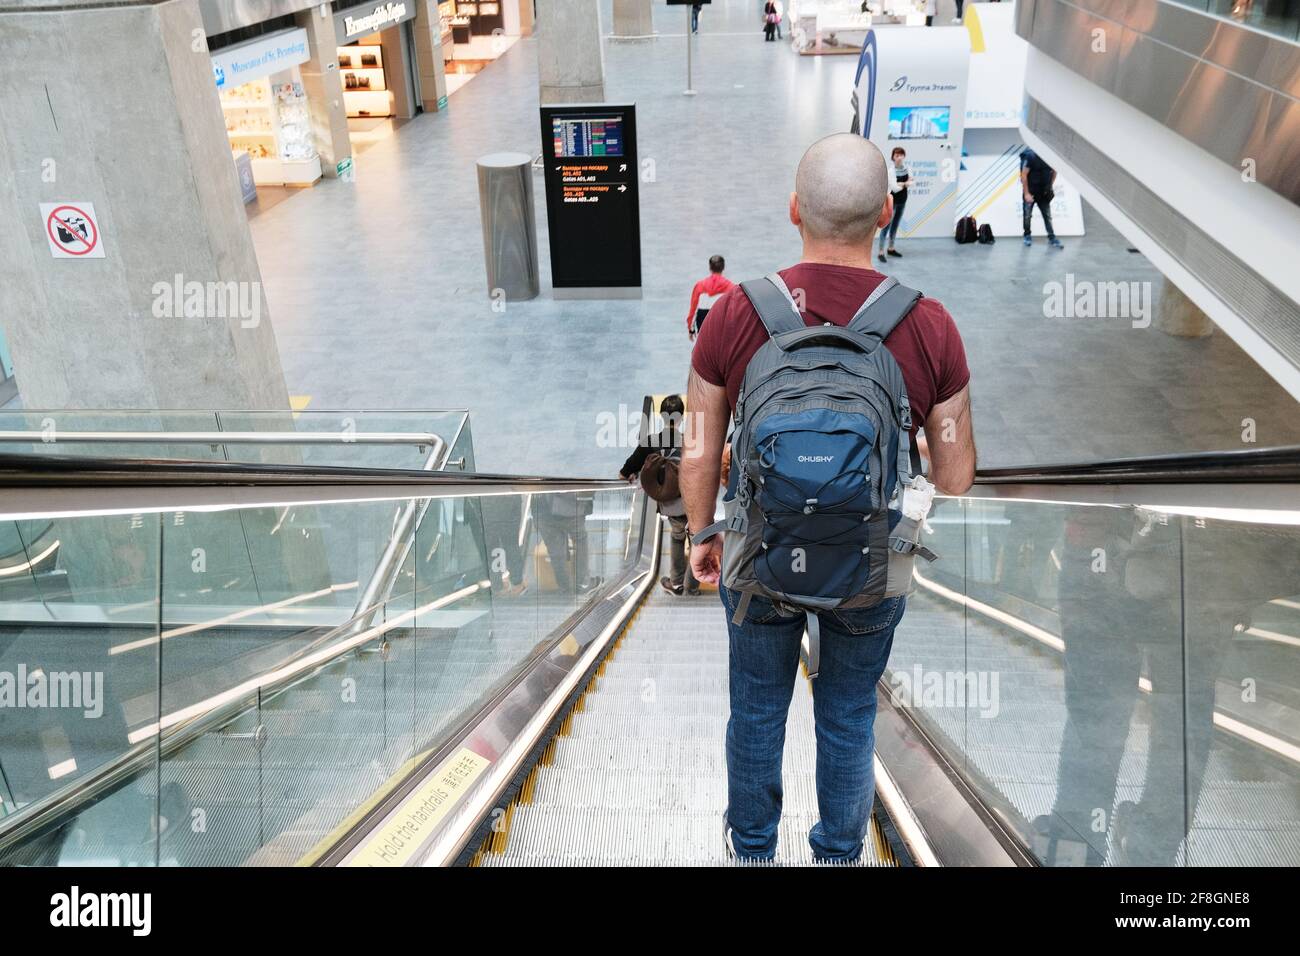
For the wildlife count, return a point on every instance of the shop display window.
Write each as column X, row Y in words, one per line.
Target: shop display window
column 365, row 83
column 268, row 119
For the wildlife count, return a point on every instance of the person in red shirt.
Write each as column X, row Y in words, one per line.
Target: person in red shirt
column 841, row 199
column 705, row 293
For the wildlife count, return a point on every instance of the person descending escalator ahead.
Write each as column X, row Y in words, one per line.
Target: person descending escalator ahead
column 656, row 462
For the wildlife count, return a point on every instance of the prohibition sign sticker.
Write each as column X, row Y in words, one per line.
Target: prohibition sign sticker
column 72, row 230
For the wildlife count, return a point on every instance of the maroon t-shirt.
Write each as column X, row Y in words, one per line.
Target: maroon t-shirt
column 925, row 344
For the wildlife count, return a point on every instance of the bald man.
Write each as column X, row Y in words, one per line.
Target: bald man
column 841, row 197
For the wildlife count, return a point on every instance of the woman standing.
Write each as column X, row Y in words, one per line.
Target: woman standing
column 770, row 18
column 902, row 176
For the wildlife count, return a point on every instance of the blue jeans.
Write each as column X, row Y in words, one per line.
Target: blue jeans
column 764, row 664
column 1045, row 207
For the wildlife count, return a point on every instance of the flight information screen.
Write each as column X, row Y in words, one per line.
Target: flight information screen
column 594, row 135
column 592, row 206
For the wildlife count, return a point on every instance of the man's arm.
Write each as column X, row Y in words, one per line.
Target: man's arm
column 1024, row 183
column 950, row 441
column 706, row 431
column 635, row 460
column 695, row 304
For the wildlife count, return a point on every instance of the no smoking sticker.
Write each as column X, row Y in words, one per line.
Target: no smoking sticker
column 72, row 230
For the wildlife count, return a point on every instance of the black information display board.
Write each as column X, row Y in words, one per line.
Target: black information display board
column 592, row 208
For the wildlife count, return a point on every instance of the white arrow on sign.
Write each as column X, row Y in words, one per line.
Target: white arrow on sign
column 622, row 189
column 622, row 167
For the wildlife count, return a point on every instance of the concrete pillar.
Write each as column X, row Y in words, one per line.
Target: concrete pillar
column 323, row 84
column 115, row 105
column 397, row 67
column 570, row 58
column 429, row 56
column 632, row 18
column 1178, row 315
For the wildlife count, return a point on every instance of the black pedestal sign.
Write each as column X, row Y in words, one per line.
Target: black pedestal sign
column 592, row 211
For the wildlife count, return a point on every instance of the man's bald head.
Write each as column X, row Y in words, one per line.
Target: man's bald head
column 840, row 188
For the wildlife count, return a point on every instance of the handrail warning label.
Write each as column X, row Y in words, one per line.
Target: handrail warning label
column 402, row 835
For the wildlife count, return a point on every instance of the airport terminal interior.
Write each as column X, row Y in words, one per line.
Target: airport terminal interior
column 328, row 332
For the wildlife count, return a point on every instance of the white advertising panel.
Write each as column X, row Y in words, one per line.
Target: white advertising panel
column 911, row 92
column 997, row 67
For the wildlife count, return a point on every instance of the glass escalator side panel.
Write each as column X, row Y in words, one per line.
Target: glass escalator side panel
column 72, row 702
column 1119, row 683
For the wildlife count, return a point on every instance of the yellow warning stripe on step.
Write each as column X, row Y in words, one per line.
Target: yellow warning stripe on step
column 398, row 839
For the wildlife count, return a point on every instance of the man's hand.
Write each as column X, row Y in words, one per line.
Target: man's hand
column 706, row 560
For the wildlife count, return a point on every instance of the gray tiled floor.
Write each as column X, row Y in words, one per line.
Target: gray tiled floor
column 378, row 292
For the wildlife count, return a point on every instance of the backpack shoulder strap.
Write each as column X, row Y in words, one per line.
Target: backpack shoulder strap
column 887, row 305
column 774, row 304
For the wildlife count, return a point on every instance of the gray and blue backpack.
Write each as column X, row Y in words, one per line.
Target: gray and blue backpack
column 820, row 454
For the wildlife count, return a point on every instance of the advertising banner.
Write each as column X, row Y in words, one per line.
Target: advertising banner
column 996, row 91
column 910, row 92
column 990, row 190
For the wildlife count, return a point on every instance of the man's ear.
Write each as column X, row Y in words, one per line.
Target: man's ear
column 794, row 210
column 886, row 212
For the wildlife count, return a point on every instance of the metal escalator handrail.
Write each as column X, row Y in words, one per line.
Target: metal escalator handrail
column 1280, row 464
column 44, row 471
column 217, row 438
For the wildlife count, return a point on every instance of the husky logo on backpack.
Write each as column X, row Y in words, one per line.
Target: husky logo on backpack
column 822, row 508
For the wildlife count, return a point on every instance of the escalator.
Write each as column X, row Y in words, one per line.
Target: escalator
column 637, row 774
column 376, row 666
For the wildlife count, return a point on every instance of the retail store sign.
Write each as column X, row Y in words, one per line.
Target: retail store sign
column 371, row 18
column 72, row 230
column 242, row 64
